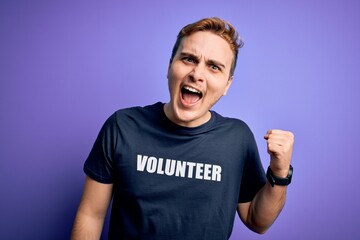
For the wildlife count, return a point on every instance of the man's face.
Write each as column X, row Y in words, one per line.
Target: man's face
column 198, row 76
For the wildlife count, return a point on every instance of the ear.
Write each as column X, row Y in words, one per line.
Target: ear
column 228, row 85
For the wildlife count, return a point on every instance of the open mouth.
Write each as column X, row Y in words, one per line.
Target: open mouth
column 190, row 95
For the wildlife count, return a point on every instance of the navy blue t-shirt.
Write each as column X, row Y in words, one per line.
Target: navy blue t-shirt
column 173, row 182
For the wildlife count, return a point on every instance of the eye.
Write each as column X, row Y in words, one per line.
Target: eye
column 214, row 67
column 188, row 59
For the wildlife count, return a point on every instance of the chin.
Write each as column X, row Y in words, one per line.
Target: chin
column 190, row 118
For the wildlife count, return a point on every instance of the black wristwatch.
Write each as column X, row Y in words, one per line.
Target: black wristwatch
column 274, row 180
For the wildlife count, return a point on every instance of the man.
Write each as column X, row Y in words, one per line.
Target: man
column 180, row 170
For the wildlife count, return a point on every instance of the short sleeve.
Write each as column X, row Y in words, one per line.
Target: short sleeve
column 253, row 178
column 99, row 164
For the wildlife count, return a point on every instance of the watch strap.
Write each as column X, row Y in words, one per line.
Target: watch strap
column 274, row 180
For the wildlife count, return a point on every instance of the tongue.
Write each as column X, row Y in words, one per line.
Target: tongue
column 191, row 97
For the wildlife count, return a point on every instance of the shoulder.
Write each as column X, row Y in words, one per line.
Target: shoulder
column 135, row 115
column 135, row 111
column 138, row 110
column 232, row 124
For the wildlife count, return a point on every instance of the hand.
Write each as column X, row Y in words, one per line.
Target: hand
column 279, row 146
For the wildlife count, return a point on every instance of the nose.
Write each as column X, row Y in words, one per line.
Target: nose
column 197, row 73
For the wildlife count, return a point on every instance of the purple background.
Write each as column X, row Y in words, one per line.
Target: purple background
column 66, row 66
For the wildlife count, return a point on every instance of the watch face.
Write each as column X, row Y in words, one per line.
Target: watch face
column 290, row 172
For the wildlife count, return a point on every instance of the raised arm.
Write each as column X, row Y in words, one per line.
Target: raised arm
column 90, row 216
column 261, row 212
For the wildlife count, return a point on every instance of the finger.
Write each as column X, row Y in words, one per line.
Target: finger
column 276, row 139
column 275, row 148
column 274, row 132
column 279, row 140
column 279, row 135
column 280, row 152
column 267, row 134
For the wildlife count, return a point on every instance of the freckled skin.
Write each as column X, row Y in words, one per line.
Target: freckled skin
column 203, row 62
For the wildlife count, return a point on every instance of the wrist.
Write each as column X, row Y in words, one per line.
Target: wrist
column 275, row 179
column 280, row 173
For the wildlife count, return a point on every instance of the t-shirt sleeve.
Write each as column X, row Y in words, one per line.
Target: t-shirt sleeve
column 253, row 178
column 99, row 164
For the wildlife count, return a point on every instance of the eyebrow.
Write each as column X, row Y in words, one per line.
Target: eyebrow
column 216, row 63
column 210, row 61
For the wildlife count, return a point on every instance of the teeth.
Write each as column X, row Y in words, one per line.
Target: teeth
column 191, row 89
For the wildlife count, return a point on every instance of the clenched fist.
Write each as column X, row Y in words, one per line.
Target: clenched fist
column 279, row 146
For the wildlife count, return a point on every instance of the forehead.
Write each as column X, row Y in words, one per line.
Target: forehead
column 208, row 45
